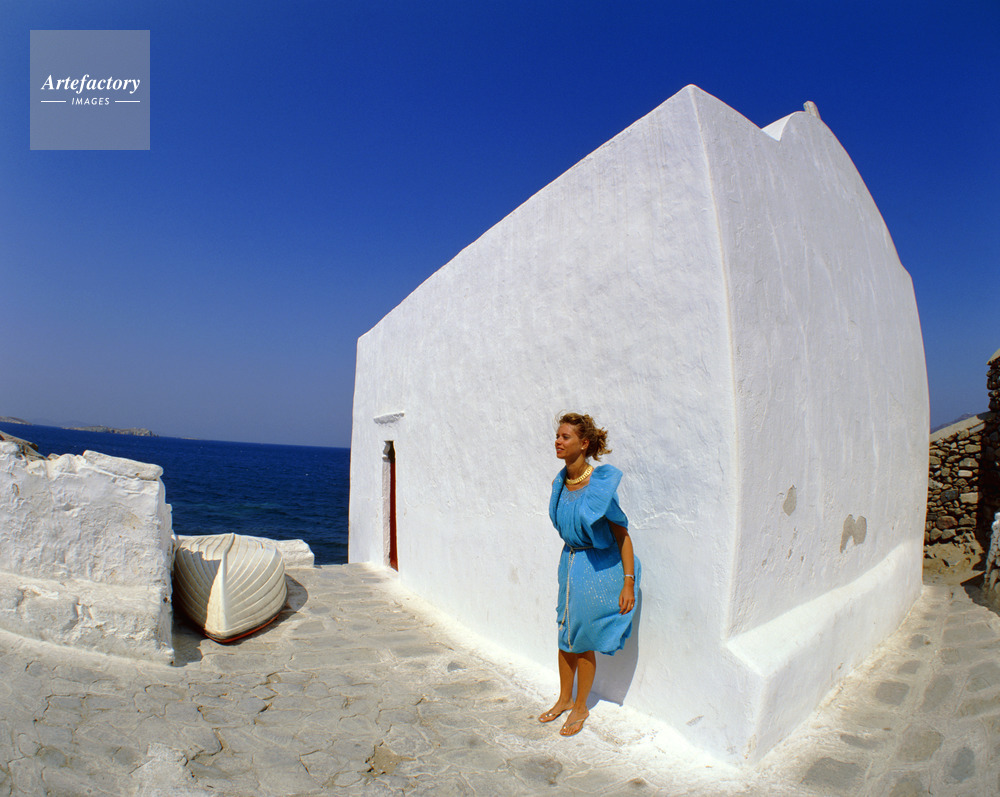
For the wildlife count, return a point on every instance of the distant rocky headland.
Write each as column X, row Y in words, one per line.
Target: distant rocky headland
column 135, row 431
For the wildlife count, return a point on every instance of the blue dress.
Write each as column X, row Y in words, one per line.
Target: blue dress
column 590, row 567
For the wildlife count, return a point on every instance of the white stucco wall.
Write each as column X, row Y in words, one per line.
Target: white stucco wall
column 703, row 290
column 829, row 370
column 85, row 552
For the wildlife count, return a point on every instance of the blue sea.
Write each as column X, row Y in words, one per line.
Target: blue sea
column 283, row 492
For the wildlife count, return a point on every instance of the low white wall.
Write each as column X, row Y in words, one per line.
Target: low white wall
column 86, row 553
column 295, row 554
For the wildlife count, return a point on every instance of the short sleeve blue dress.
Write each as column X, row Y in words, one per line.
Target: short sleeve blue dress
column 590, row 567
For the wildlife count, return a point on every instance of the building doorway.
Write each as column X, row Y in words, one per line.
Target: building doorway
column 389, row 501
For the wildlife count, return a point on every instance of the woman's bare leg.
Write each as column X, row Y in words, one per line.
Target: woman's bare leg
column 586, row 668
column 567, row 673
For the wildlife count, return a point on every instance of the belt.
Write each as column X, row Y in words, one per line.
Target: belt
column 567, row 547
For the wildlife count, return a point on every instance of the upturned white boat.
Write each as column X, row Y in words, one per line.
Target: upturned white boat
column 228, row 584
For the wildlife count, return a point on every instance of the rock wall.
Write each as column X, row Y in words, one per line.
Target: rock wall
column 963, row 488
column 86, row 552
column 993, row 381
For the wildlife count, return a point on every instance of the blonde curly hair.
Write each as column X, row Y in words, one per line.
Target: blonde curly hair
column 586, row 429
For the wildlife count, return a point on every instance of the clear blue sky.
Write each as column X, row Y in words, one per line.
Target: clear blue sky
column 311, row 163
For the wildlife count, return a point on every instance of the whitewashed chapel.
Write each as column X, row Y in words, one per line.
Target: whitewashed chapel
column 728, row 302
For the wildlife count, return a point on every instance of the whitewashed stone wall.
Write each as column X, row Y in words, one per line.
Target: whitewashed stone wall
column 991, row 580
column 728, row 302
column 295, row 554
column 86, row 552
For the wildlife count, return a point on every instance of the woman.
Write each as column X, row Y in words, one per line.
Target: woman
column 598, row 572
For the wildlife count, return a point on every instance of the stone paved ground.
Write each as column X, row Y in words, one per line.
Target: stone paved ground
column 360, row 689
column 921, row 716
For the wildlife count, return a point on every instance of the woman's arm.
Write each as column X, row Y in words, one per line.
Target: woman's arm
column 626, row 601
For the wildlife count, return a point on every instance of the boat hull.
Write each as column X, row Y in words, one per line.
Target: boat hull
column 228, row 584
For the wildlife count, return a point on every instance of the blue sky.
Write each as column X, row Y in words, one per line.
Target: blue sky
column 311, row 163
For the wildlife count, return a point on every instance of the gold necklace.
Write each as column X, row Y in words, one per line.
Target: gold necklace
column 578, row 479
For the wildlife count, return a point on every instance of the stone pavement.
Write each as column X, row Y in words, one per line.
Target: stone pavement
column 360, row 688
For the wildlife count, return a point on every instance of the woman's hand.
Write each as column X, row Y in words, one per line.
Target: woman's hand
column 626, row 601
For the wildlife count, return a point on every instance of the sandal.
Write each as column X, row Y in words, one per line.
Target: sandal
column 551, row 714
column 573, row 727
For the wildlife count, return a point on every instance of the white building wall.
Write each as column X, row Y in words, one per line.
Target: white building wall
column 547, row 312
column 828, row 365
column 667, row 284
column 831, row 400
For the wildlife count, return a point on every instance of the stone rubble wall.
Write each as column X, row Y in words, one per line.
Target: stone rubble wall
column 963, row 492
column 86, row 550
column 993, row 381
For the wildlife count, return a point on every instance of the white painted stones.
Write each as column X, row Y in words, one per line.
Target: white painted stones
column 295, row 554
column 728, row 302
column 85, row 552
column 991, row 579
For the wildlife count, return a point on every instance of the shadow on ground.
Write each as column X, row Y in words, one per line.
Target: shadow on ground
column 188, row 638
column 974, row 589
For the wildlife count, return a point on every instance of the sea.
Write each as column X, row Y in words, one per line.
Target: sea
column 282, row 492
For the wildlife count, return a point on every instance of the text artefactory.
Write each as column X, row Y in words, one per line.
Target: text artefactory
column 88, row 83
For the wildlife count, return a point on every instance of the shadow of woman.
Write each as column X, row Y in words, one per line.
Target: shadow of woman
column 615, row 673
